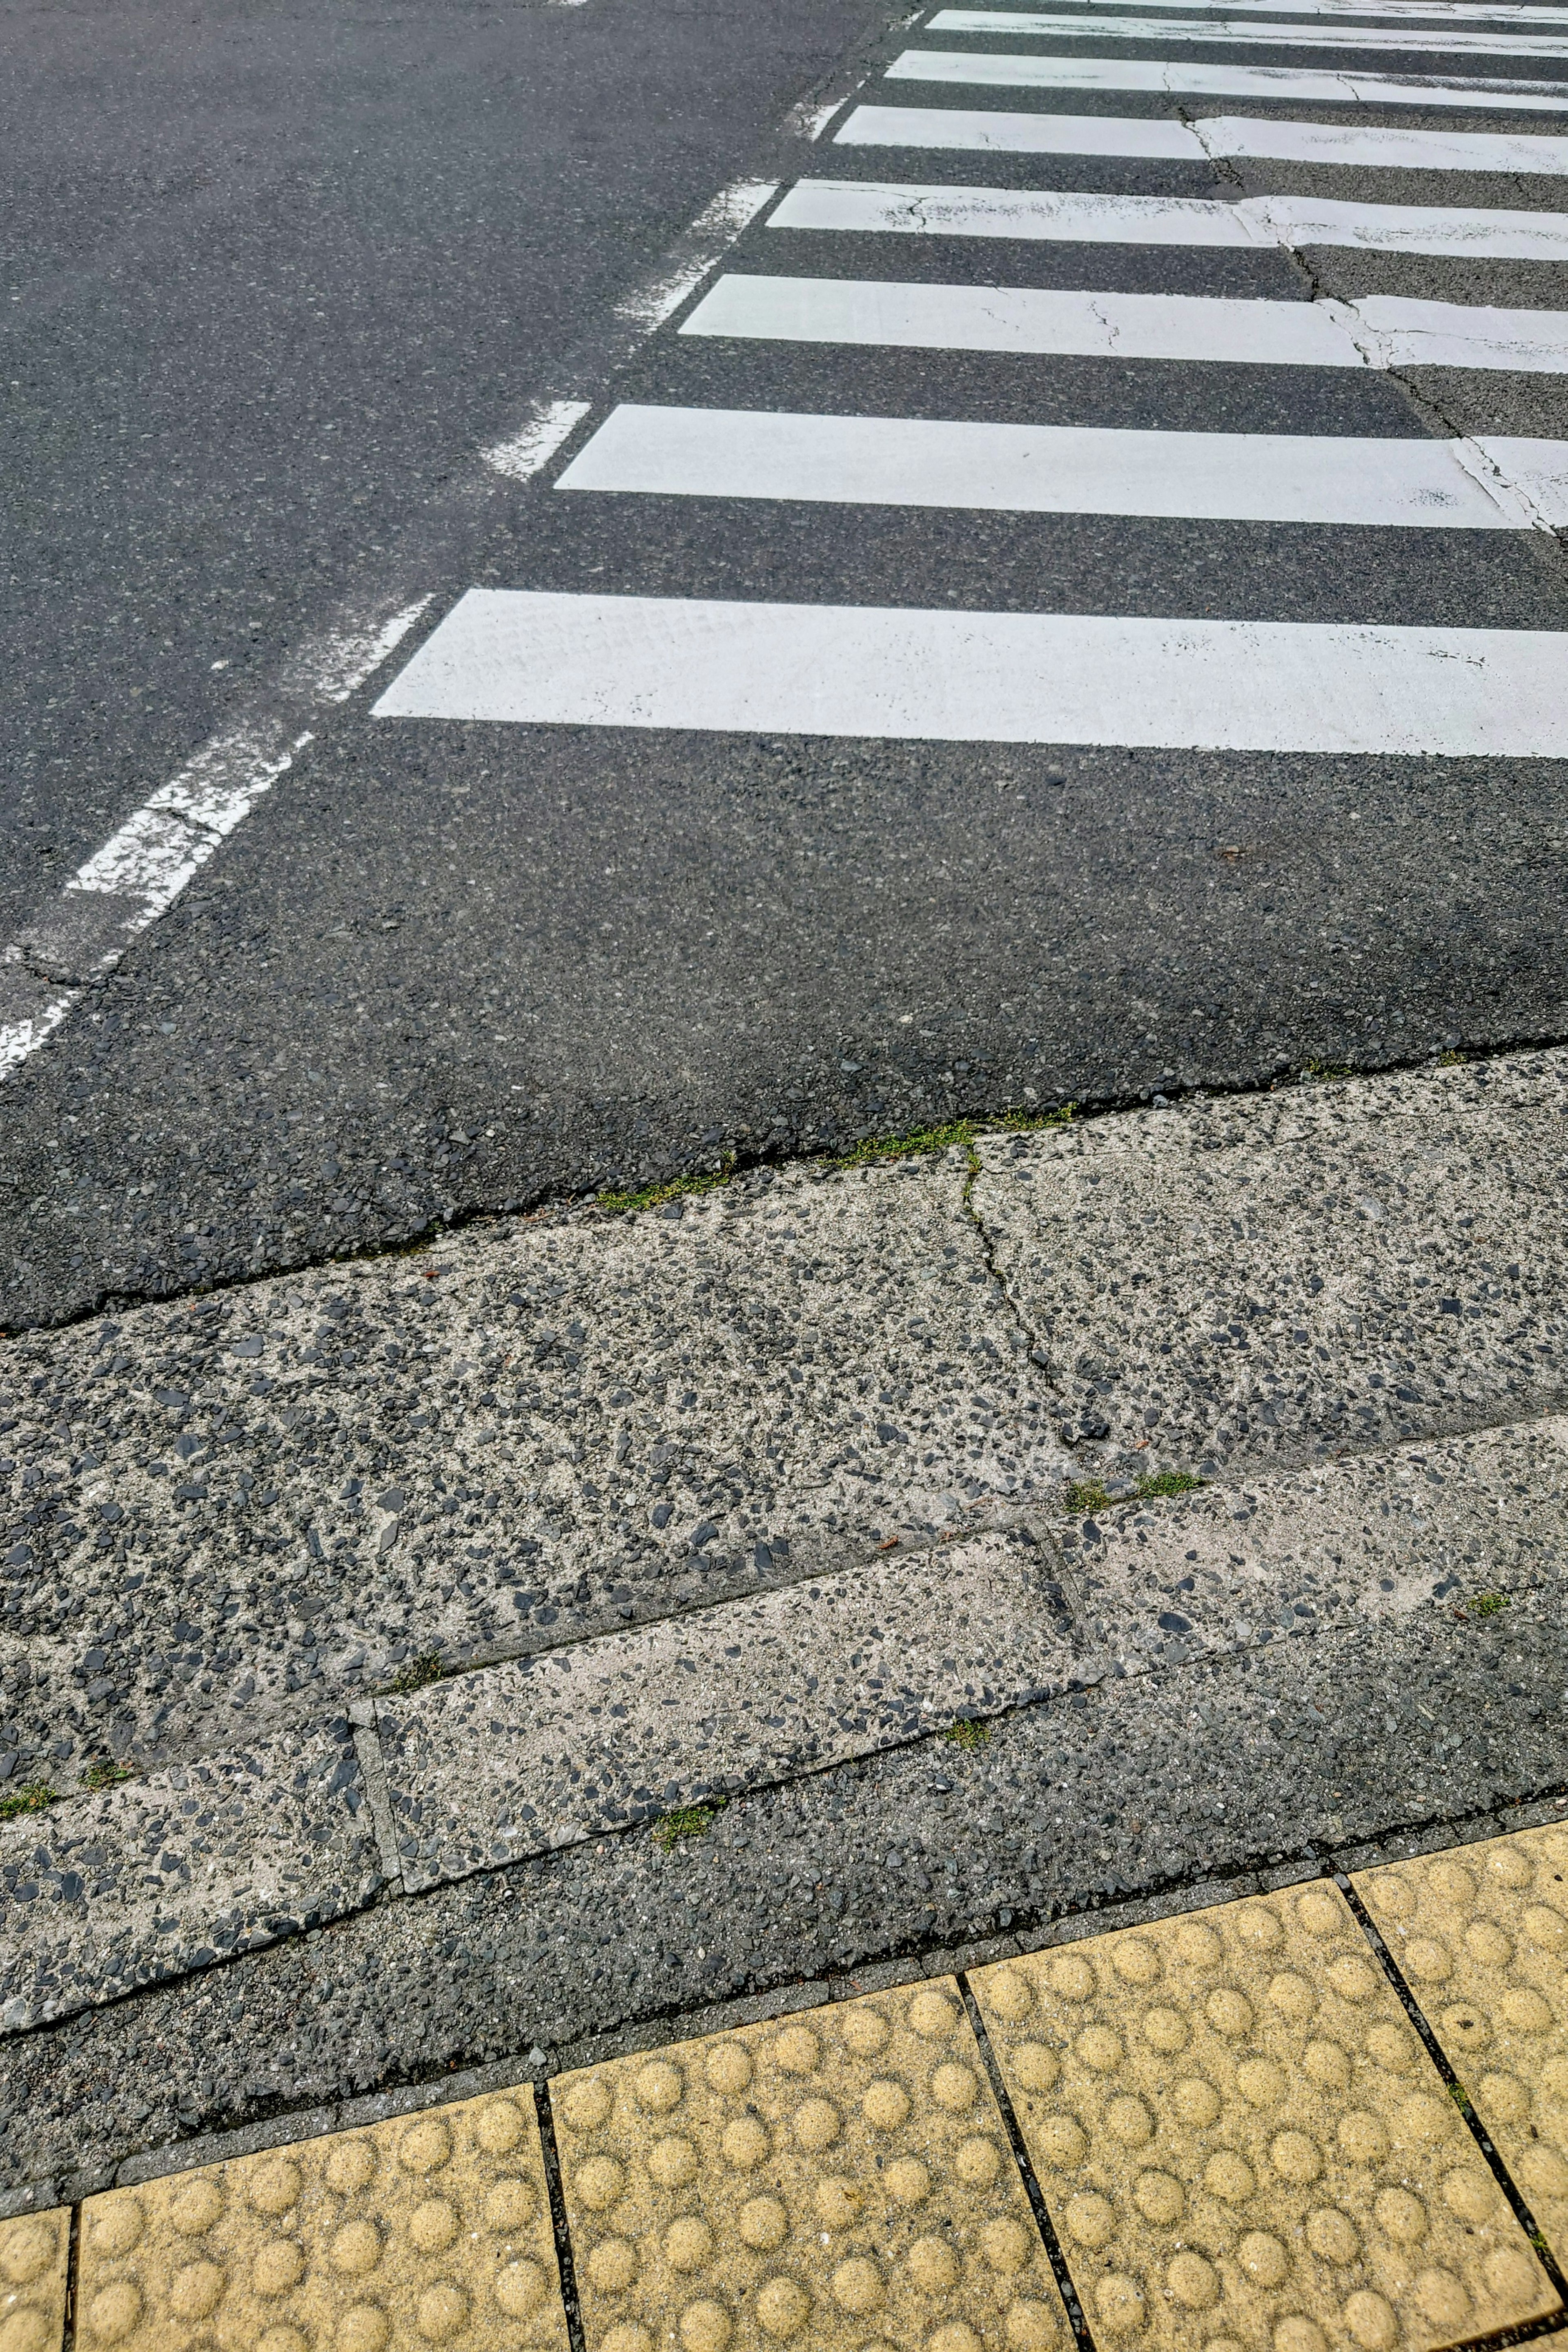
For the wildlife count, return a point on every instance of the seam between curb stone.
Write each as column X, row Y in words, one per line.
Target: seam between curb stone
column 362, row 1713
column 1435, row 2051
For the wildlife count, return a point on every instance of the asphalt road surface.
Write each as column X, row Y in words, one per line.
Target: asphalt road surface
column 791, row 777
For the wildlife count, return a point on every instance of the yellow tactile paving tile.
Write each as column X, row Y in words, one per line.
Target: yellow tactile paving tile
column 841, row 2178
column 1481, row 1936
column 34, row 2252
column 433, row 2229
column 1243, row 2143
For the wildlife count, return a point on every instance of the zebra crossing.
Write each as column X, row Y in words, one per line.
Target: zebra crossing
column 1135, row 331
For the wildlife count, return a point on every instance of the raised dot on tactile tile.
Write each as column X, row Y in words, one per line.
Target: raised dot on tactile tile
column 745, row 2143
column 1035, row 2067
column 1007, row 1992
column 797, row 2049
column 1164, row 2029
column 1100, row 2048
column 1119, row 2304
column 363, row 2327
column 688, row 2244
column 282, row 2337
column 1546, row 1929
column 1541, row 2171
column 933, row 2265
column 909, row 2180
column 658, row 2086
column 932, row 2016
column 1354, row 1979
column 1070, row 1975
column 1159, row 2198
column 1192, row 2281
column 114, row 2311
column 1196, row 1945
column 278, row 2265
column 1127, row 2119
column 499, row 2125
column 1319, row 1913
column 1260, row 2082
column 1263, row 2258
column 117, row 2225
column 1507, row 1863
column 626, row 2336
column 521, row 2288
column 1135, row 1961
column 1423, row 2119
column 356, row 2248
column 1296, row 2158
column 274, row 2186
column 954, row 2336
column 442, row 2312
column 1229, row 2177
column 196, row 2290
column 600, row 2182
column 954, row 2087
column 612, row 2265
column 783, row 2307
column 350, row 2165
column 885, row 2104
column 1370, row 2319
column 194, row 2208
column 1485, row 1942
column 433, row 2224
column 587, row 2104
column 1332, row 2235
column 763, row 2223
column 705, row 2328
column 1007, row 2245
column 817, row 2124
column 426, row 2147
column 839, row 2201
column 1522, row 2008
column 27, row 2251
column 728, row 2068
column 1442, row 2298
column 509, row 2203
column 1328, row 2064
column 673, row 2162
column 977, row 2162
column 1292, row 1996
column 857, row 2285
column 864, row 2029
column 1363, row 2138
column 1091, row 2219
column 1060, row 2142
column 1451, row 1882
column 1468, row 2193
column 1401, row 2216
column 1510, row 2274
column 1195, row 2102
column 1255, row 1926
column 28, row 2330
column 1229, row 2011
column 1426, row 1960
column 1031, row 2326
column 1296, row 2333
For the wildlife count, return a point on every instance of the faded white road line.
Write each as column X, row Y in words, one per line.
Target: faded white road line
column 1068, row 469
column 1073, row 217
column 984, row 70
column 710, row 235
column 1235, row 32
column 1379, row 330
column 958, row 129
column 999, row 677
column 1445, row 12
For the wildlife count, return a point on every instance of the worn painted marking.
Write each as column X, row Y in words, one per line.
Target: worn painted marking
column 959, row 129
column 1236, row 31
column 1047, row 469
column 551, row 423
column 1430, row 12
column 1173, row 79
column 974, row 677
column 1399, row 333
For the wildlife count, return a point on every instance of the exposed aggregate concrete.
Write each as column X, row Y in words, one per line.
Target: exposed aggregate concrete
column 1216, row 1769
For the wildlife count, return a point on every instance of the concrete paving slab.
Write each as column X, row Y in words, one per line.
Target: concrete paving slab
column 840, row 2179
column 1256, row 1280
column 511, row 1760
column 1240, row 2138
column 263, row 1503
column 156, row 1877
column 429, row 2230
column 35, row 2253
column 1379, row 1537
column 1480, row 1938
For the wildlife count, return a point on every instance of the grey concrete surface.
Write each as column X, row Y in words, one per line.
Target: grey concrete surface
column 517, row 1760
column 1357, row 1738
column 151, row 1879
column 249, row 1512
column 1269, row 1278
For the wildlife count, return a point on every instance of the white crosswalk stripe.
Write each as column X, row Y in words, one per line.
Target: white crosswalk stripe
column 1360, row 148
column 1171, row 78
column 1072, row 218
column 1234, row 31
column 1071, row 470
column 873, row 351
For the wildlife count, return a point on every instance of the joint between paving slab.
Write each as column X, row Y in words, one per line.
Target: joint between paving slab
column 362, row 1714
column 563, row 2252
